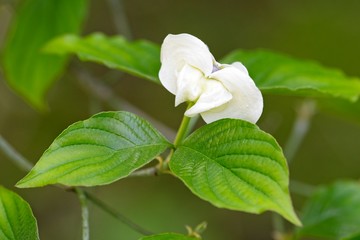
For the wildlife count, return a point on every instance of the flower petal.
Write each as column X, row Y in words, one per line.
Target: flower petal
column 247, row 101
column 241, row 67
column 178, row 50
column 189, row 84
column 214, row 95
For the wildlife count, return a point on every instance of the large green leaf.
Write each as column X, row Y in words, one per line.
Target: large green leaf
column 29, row 70
column 168, row 236
column 333, row 212
column 16, row 218
column 277, row 73
column 97, row 151
column 233, row 164
column 140, row 58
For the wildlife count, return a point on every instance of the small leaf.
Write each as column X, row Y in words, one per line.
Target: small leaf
column 29, row 70
column 277, row 73
column 16, row 218
column 97, row 151
column 140, row 58
column 234, row 165
column 168, row 236
column 333, row 212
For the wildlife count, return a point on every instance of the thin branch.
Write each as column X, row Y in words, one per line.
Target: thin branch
column 14, row 156
column 119, row 18
column 116, row 215
column 26, row 165
column 84, row 213
column 300, row 128
column 146, row 172
column 104, row 93
column 302, row 189
column 305, row 112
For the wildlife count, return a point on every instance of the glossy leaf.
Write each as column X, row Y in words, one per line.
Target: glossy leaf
column 168, row 236
column 277, row 73
column 97, row 151
column 333, row 212
column 16, row 218
column 234, row 165
column 28, row 69
column 140, row 58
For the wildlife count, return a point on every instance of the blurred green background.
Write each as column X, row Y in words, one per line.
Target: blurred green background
column 322, row 30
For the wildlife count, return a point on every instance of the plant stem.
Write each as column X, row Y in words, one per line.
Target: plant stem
column 305, row 112
column 14, row 156
column 183, row 129
column 84, row 213
column 119, row 18
column 146, row 172
column 26, row 165
column 116, row 215
column 301, row 188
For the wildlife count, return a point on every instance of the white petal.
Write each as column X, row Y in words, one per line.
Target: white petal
column 214, row 95
column 181, row 49
column 189, row 84
column 247, row 101
column 241, row 67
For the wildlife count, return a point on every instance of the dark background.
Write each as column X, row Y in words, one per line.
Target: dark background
column 322, row 30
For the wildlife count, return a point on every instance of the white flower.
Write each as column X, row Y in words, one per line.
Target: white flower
column 190, row 72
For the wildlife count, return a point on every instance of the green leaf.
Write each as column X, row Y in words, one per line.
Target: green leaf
column 29, row 70
column 168, row 236
column 140, row 58
column 333, row 212
column 277, row 73
column 233, row 164
column 97, row 151
column 16, row 218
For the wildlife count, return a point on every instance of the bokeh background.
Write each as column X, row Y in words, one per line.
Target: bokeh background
column 322, row 30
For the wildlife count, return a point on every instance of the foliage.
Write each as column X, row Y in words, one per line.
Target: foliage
column 16, row 218
column 230, row 163
column 28, row 69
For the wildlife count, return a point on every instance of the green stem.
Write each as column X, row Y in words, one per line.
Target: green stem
column 183, row 129
column 116, row 215
column 26, row 165
column 302, row 189
column 84, row 213
column 300, row 128
column 14, row 156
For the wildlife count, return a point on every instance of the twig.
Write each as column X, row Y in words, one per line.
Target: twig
column 301, row 188
column 146, row 172
column 104, row 93
column 305, row 112
column 26, row 165
column 84, row 213
column 14, row 156
column 116, row 215
column 119, row 18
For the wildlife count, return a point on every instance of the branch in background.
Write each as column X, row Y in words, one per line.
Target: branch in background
column 116, row 215
column 98, row 89
column 84, row 214
column 301, row 188
column 305, row 112
column 14, row 156
column 26, row 165
column 119, row 18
